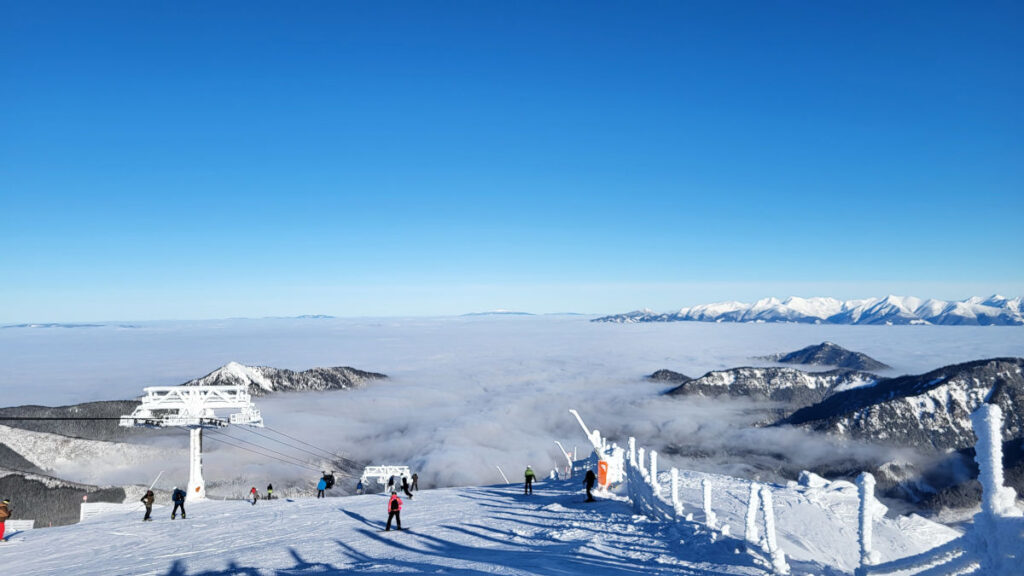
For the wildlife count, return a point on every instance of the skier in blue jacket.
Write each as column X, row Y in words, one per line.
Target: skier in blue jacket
column 320, row 487
column 178, row 497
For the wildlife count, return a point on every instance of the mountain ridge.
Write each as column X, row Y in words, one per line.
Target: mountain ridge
column 995, row 310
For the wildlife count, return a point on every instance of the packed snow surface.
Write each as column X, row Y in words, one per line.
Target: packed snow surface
column 481, row 530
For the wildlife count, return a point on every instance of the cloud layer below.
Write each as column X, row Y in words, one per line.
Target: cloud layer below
column 467, row 395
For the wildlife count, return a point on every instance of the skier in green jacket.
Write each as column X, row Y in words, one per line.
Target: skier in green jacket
column 530, row 476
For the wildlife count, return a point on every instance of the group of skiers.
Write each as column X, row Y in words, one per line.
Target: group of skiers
column 177, row 497
column 325, row 483
column 406, row 487
column 589, row 481
column 256, row 495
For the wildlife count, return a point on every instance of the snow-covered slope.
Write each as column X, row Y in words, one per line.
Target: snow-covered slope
column 485, row 530
column 264, row 379
column 994, row 310
column 88, row 461
column 929, row 410
column 794, row 387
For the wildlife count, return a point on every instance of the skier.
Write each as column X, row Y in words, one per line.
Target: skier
column 416, row 482
column 270, row 491
column 5, row 513
column 530, row 476
column 147, row 500
column 394, row 510
column 178, row 497
column 391, row 484
column 405, row 486
column 255, row 495
column 320, row 487
column 590, row 480
column 359, row 486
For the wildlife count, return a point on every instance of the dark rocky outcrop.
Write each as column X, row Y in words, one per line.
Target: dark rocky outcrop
column 669, row 377
column 829, row 354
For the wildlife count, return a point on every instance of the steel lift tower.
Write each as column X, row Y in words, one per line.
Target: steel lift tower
column 194, row 407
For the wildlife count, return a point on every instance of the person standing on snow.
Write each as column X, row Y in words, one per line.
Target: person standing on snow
column 254, row 494
column 405, row 486
column 416, row 482
column 391, row 483
column 178, row 497
column 270, row 491
column 530, row 477
column 5, row 513
column 320, row 487
column 147, row 500
column 359, row 486
column 394, row 510
column 590, row 480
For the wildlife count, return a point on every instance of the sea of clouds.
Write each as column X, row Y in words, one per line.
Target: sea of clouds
column 466, row 395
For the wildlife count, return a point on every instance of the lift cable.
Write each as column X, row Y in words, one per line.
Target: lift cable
column 218, row 434
column 287, row 459
column 249, row 429
column 338, row 456
column 306, row 466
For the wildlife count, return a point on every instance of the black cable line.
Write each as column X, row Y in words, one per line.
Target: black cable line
column 340, row 457
column 58, row 418
column 300, row 465
column 218, row 433
column 249, row 429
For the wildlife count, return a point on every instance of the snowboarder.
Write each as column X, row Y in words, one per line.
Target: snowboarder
column 270, row 491
column 394, row 510
column 320, row 487
column 590, row 480
column 359, row 486
column 405, row 486
column 530, row 476
column 178, row 497
column 147, row 500
column 5, row 513
column 391, row 484
column 416, row 482
column 254, row 494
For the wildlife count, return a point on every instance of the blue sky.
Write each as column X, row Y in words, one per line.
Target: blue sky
column 194, row 160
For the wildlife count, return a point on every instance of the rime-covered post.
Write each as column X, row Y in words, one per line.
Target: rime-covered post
column 640, row 459
column 654, row 473
column 676, row 504
column 866, row 491
column 996, row 499
column 779, row 565
column 709, row 516
column 632, row 451
column 753, row 502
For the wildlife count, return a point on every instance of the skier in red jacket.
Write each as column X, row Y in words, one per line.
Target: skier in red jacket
column 394, row 510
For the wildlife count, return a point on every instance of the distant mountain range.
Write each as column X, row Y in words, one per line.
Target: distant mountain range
column 992, row 311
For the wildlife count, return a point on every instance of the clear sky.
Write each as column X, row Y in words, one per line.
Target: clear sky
column 214, row 159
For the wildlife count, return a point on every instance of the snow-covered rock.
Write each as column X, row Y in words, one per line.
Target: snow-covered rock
column 262, row 380
column 931, row 410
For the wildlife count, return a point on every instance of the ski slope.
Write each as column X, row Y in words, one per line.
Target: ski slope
column 480, row 530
